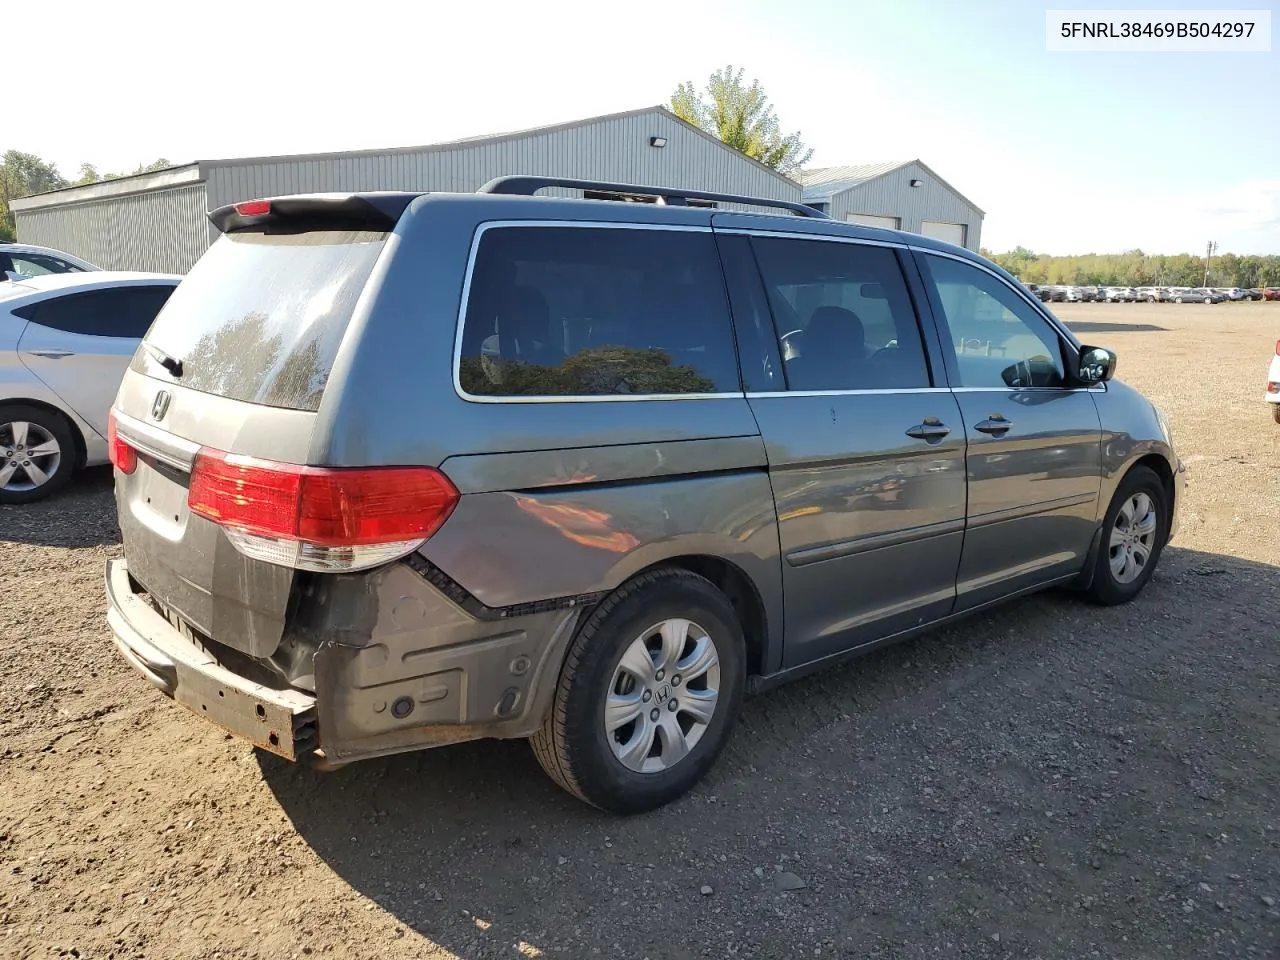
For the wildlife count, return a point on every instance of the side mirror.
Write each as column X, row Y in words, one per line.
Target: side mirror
column 1097, row 365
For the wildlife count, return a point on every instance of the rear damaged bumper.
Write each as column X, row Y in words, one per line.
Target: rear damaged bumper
column 280, row 721
column 397, row 667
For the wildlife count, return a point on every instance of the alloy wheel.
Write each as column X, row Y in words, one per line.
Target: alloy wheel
column 29, row 456
column 1133, row 538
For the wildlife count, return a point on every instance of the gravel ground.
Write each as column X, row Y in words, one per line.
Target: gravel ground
column 1050, row 780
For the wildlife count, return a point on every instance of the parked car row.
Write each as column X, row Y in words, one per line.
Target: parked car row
column 1075, row 294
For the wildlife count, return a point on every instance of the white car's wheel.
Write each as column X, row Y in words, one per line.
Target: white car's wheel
column 1275, row 412
column 37, row 453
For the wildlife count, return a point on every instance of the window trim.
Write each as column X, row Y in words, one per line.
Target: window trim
column 488, row 225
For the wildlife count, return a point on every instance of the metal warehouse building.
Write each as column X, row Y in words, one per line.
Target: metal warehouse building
column 156, row 221
column 902, row 196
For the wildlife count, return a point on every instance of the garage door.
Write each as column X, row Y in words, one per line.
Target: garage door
column 950, row 232
column 872, row 220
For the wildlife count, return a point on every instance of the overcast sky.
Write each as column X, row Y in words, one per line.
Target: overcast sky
column 1066, row 152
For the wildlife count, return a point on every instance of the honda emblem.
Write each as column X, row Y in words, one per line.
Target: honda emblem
column 160, row 405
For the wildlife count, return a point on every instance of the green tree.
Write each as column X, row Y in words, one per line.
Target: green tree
column 161, row 164
column 742, row 117
column 21, row 175
column 88, row 174
column 1134, row 268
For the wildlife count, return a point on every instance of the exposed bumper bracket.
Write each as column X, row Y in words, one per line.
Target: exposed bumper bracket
column 280, row 721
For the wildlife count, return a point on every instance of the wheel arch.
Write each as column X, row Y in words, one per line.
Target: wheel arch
column 742, row 593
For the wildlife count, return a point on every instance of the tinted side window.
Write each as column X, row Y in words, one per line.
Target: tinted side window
column 123, row 312
column 585, row 311
column 998, row 339
column 843, row 315
column 37, row 264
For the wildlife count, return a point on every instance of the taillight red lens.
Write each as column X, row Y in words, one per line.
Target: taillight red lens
column 326, row 506
column 254, row 208
column 123, row 457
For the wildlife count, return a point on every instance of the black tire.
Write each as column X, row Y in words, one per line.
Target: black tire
column 572, row 745
column 1106, row 588
column 1275, row 412
column 56, row 426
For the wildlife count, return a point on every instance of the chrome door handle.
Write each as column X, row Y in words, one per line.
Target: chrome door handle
column 931, row 431
column 995, row 425
column 52, row 354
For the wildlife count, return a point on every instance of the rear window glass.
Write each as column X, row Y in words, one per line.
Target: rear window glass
column 261, row 316
column 586, row 311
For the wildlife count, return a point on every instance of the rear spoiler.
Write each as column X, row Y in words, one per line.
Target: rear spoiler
column 319, row 211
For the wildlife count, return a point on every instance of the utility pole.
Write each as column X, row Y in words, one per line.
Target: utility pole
column 1208, row 255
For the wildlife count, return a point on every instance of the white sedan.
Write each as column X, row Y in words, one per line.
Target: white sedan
column 65, row 341
column 1273, row 384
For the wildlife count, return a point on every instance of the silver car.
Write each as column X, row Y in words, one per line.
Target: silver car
column 65, row 342
column 398, row 470
column 19, row 260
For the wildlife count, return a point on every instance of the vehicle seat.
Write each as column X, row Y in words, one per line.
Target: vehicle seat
column 834, row 352
column 524, row 329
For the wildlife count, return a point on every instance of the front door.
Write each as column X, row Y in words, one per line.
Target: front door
column 1034, row 459
column 80, row 344
column 866, row 454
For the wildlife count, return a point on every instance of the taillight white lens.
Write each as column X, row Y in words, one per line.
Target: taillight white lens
column 321, row 559
column 319, row 518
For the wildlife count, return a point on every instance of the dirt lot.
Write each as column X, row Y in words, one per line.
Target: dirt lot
column 1052, row 780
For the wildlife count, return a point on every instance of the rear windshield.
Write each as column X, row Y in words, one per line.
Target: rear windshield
column 260, row 317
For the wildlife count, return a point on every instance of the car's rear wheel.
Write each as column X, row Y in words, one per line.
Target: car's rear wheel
column 1275, row 412
column 37, row 453
column 649, row 691
column 1133, row 535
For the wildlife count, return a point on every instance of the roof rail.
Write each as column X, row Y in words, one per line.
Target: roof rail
column 528, row 186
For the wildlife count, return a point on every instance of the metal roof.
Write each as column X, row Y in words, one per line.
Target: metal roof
column 198, row 171
column 823, row 183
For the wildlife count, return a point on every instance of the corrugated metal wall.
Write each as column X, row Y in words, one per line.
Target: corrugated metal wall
column 892, row 195
column 164, row 230
column 614, row 149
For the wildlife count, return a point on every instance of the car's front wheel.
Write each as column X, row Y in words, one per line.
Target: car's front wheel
column 37, row 453
column 1275, row 412
column 649, row 691
column 1133, row 535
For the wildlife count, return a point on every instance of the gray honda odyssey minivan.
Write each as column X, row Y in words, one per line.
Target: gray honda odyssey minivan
column 400, row 470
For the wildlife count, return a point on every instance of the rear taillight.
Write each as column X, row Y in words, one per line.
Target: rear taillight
column 319, row 518
column 123, row 457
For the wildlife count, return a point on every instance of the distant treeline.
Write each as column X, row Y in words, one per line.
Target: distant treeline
column 1133, row 268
